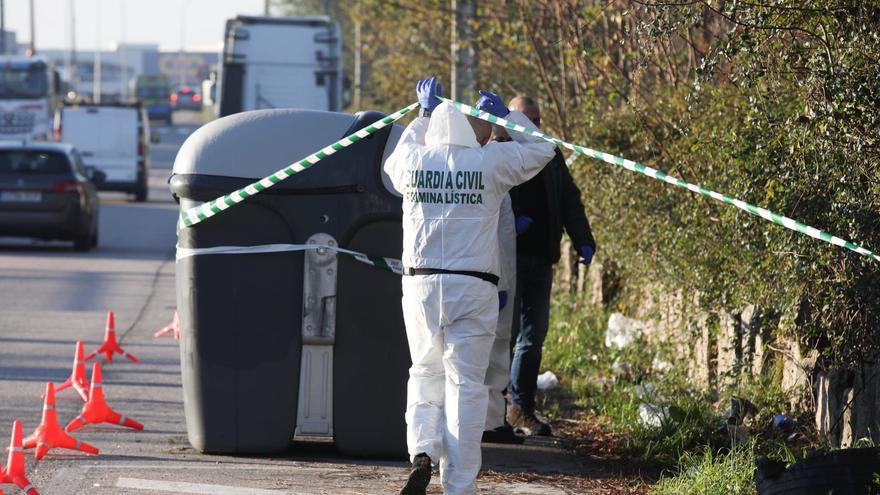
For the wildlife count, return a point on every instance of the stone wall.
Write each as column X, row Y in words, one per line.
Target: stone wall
column 722, row 349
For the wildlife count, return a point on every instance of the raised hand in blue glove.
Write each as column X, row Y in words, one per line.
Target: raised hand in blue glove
column 522, row 223
column 428, row 90
column 490, row 102
column 586, row 251
column 502, row 299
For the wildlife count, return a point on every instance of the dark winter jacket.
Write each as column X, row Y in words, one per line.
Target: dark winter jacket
column 564, row 208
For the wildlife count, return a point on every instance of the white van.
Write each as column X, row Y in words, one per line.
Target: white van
column 113, row 139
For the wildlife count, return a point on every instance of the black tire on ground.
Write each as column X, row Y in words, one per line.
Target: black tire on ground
column 141, row 189
column 94, row 239
column 848, row 471
column 82, row 242
column 140, row 194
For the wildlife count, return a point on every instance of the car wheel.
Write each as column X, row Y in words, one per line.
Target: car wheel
column 140, row 189
column 82, row 242
column 94, row 239
column 140, row 195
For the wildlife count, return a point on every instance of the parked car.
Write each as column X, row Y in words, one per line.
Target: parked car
column 47, row 192
column 186, row 98
column 113, row 138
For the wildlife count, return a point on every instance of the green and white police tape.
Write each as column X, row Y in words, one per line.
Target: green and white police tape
column 764, row 213
column 207, row 210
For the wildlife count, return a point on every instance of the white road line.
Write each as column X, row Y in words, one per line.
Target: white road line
column 196, row 488
column 223, row 466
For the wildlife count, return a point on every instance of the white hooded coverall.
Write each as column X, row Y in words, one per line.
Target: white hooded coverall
column 452, row 191
column 498, row 373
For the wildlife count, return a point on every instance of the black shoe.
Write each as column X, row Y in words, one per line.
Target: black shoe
column 419, row 476
column 502, row 434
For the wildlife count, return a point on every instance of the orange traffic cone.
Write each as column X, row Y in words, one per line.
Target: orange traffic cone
column 14, row 472
column 174, row 327
column 96, row 409
column 49, row 434
column 77, row 378
column 110, row 346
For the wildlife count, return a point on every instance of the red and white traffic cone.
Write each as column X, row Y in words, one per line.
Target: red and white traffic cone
column 110, row 346
column 96, row 409
column 14, row 473
column 50, row 435
column 173, row 327
column 77, row 378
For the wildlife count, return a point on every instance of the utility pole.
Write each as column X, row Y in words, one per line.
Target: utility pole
column 181, row 69
column 33, row 48
column 123, row 53
column 96, row 87
column 266, row 8
column 464, row 57
column 72, row 73
column 356, row 98
column 2, row 27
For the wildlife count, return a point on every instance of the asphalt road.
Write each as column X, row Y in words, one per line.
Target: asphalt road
column 51, row 296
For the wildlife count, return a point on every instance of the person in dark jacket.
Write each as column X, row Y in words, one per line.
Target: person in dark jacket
column 542, row 207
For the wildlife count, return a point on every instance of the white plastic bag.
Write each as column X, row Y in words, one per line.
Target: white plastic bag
column 622, row 331
column 652, row 414
column 547, row 381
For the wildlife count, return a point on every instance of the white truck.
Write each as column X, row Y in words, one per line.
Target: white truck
column 29, row 88
column 280, row 62
column 112, row 138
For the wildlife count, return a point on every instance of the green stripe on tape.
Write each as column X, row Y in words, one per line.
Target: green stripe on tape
column 201, row 215
column 784, row 221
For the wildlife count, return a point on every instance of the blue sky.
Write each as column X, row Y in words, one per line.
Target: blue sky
column 145, row 21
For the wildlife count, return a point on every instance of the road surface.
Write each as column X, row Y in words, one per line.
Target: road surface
column 53, row 296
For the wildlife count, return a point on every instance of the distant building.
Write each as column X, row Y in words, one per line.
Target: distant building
column 11, row 46
column 121, row 66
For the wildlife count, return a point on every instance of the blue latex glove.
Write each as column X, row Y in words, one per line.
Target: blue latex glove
column 502, row 299
column 428, row 90
column 783, row 423
column 522, row 223
column 490, row 102
column 586, row 251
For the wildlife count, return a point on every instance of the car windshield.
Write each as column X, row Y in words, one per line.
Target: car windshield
column 24, row 82
column 27, row 162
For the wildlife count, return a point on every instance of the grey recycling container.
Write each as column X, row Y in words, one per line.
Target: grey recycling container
column 293, row 344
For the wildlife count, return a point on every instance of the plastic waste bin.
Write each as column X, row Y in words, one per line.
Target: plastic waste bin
column 288, row 344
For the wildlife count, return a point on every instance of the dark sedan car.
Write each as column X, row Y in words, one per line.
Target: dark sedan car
column 186, row 98
column 46, row 192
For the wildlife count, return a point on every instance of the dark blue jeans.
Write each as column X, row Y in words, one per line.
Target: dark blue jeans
column 534, row 279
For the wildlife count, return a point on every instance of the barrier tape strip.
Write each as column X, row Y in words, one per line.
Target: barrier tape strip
column 630, row 165
column 207, row 210
column 382, row 263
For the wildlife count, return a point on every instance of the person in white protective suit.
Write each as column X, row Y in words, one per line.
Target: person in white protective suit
column 497, row 430
column 452, row 191
column 498, row 373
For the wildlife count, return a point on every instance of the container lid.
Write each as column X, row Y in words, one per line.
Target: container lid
column 255, row 144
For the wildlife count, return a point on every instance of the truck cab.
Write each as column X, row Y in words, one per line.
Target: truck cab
column 28, row 97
